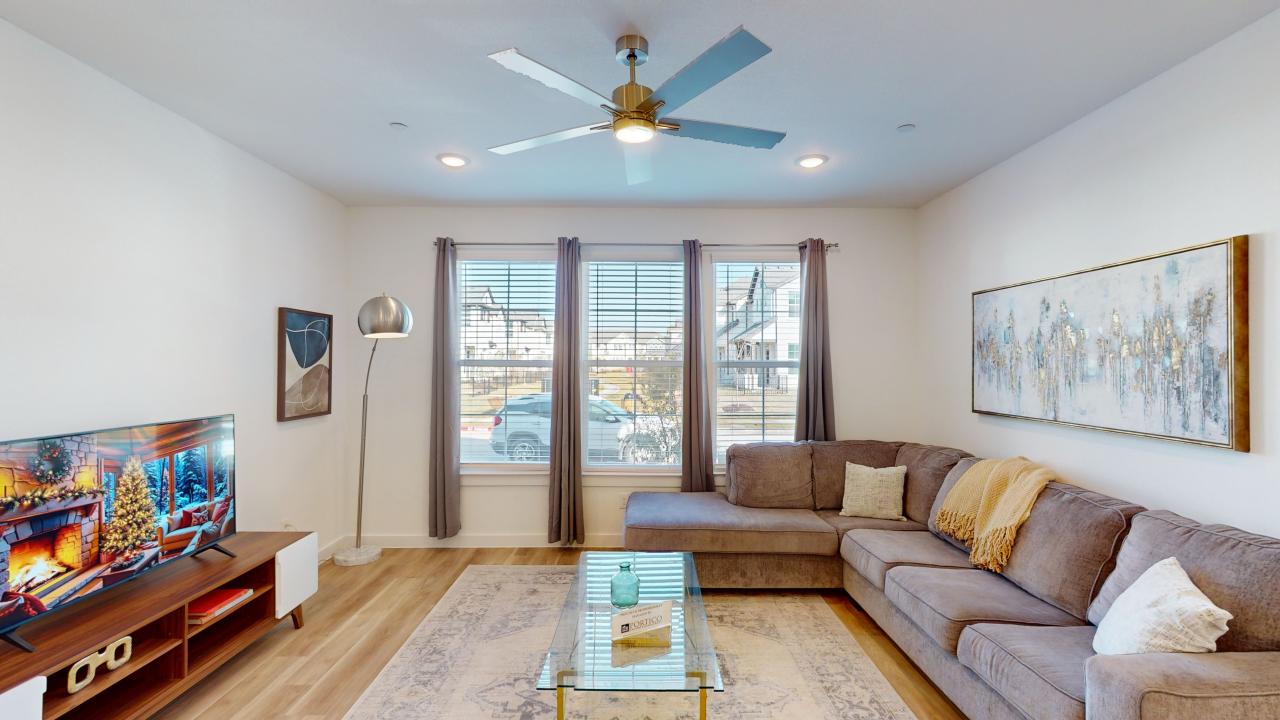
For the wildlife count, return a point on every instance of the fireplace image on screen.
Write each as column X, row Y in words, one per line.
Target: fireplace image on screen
column 79, row 513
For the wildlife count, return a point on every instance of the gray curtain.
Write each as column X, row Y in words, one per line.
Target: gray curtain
column 815, row 411
column 565, row 523
column 444, row 488
column 697, row 473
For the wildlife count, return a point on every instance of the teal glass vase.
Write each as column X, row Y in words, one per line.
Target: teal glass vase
column 624, row 588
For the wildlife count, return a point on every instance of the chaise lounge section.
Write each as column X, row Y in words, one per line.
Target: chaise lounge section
column 1014, row 645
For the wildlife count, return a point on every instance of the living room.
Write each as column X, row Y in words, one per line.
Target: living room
column 320, row 308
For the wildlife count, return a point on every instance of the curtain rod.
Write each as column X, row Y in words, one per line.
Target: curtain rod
column 672, row 245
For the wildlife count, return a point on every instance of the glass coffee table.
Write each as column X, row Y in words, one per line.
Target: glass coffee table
column 583, row 656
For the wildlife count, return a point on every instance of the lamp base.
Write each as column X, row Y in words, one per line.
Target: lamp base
column 357, row 555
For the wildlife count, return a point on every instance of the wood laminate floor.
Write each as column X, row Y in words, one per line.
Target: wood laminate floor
column 362, row 615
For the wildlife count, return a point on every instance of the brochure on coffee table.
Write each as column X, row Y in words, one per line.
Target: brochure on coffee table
column 642, row 620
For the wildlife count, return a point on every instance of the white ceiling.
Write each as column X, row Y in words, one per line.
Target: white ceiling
column 311, row 85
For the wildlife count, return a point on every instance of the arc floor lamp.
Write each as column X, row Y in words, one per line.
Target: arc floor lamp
column 380, row 318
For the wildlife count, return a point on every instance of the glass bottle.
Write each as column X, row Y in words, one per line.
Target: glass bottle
column 624, row 588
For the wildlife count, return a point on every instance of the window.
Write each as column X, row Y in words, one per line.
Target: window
column 190, row 480
column 755, row 394
column 506, row 316
column 635, row 351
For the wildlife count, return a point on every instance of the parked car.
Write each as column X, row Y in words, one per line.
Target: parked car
column 522, row 432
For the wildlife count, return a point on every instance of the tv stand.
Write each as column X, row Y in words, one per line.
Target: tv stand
column 13, row 638
column 215, row 546
column 169, row 654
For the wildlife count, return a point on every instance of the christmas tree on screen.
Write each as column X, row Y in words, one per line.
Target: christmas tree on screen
column 134, row 520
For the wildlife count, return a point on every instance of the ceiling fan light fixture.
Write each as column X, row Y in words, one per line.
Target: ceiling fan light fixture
column 810, row 162
column 452, row 160
column 634, row 130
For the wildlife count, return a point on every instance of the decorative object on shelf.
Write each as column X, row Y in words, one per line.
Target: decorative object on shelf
column 1157, row 346
column 133, row 521
column 304, row 364
column 113, row 656
column 215, row 604
column 52, row 462
column 380, row 318
column 44, row 495
column 624, row 588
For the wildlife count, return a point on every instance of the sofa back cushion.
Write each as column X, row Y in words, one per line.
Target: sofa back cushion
column 927, row 467
column 770, row 475
column 947, row 483
column 830, row 457
column 1068, row 545
column 1238, row 571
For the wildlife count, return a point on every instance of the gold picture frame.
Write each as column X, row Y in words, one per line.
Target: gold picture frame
column 1172, row 353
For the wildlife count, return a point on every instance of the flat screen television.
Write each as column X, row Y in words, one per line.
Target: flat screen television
column 84, row 512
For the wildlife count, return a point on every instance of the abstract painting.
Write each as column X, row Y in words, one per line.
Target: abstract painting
column 304, row 364
column 1157, row 346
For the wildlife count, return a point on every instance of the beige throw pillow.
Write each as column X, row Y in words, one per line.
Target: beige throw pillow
column 873, row 492
column 1161, row 612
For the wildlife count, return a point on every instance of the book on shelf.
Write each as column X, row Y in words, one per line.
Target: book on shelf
column 215, row 603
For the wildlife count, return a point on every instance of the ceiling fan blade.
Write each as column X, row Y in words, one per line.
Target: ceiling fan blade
column 639, row 162
column 731, row 134
column 515, row 62
column 547, row 139
column 736, row 51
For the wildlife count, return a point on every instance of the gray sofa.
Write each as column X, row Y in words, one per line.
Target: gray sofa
column 1014, row 645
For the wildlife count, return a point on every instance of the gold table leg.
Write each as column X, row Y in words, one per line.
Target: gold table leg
column 559, row 703
column 702, row 704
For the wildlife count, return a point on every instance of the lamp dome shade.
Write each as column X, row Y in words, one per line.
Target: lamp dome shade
column 385, row 317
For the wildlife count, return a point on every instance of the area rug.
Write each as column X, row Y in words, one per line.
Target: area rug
column 478, row 653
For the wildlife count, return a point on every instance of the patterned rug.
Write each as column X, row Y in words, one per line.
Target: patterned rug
column 478, row 653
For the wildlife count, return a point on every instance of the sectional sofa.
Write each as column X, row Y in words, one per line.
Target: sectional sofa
column 1015, row 645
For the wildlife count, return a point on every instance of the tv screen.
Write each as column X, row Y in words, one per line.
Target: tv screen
column 84, row 512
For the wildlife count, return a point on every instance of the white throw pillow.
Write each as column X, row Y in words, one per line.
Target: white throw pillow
column 1162, row 611
column 873, row 492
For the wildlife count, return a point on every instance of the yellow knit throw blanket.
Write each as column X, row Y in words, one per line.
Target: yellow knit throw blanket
column 987, row 505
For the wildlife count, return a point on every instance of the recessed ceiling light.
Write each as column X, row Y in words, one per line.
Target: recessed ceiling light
column 452, row 160
column 906, row 127
column 811, row 161
column 398, row 126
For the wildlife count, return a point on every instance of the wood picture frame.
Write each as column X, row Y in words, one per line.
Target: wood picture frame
column 304, row 364
column 1155, row 346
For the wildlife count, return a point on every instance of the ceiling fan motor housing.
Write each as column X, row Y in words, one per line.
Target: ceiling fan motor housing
column 628, row 97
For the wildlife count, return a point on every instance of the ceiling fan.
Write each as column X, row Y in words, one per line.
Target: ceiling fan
column 637, row 113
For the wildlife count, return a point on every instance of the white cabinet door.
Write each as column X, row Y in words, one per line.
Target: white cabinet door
column 25, row 702
column 297, row 574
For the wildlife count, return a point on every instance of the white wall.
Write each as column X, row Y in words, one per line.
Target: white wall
column 142, row 260
column 872, row 302
column 1192, row 156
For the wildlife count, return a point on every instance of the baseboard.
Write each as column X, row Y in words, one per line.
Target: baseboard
column 327, row 551
column 469, row 540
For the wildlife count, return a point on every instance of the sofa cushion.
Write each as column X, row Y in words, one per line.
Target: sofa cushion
column 845, row 523
column 1237, row 570
column 1067, row 546
column 708, row 522
column 770, row 475
column 942, row 601
column 927, row 467
column 829, row 458
column 874, row 552
column 1039, row 670
column 947, row 483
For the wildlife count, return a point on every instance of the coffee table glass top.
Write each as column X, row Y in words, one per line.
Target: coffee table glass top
column 582, row 654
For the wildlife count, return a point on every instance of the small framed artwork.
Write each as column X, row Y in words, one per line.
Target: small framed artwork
column 1156, row 346
column 304, row 364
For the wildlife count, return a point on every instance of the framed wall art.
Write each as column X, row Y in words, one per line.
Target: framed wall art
column 1156, row 346
column 304, row 364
